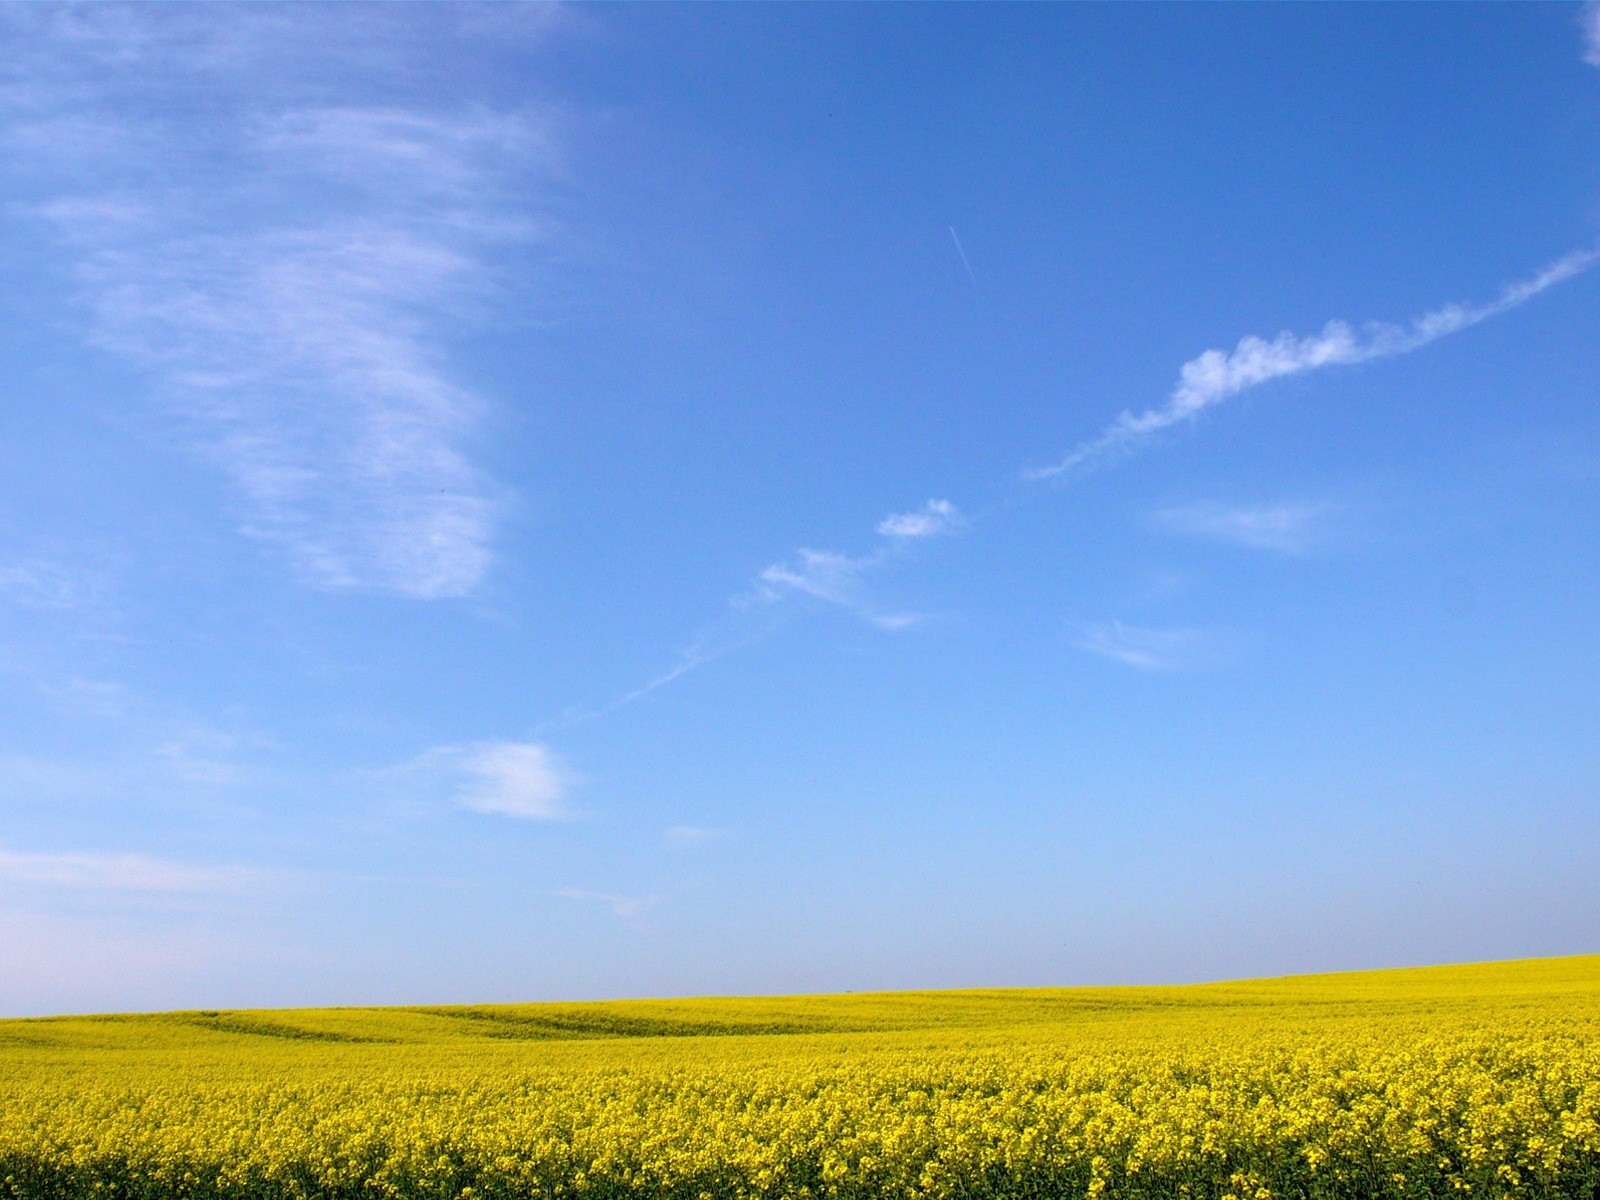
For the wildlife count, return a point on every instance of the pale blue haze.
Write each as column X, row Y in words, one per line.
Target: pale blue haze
column 506, row 503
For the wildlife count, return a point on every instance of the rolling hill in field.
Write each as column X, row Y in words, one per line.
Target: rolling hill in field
column 1479, row 1080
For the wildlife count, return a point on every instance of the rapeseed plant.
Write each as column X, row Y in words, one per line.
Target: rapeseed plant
column 1462, row 1082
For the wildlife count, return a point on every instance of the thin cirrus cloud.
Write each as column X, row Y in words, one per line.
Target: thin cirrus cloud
column 820, row 574
column 47, row 584
column 511, row 779
column 1288, row 528
column 630, row 910
column 1203, row 382
column 125, row 873
column 1150, row 649
column 288, row 275
column 833, row 579
column 1217, row 375
column 934, row 518
column 684, row 836
column 820, row 577
column 521, row 780
column 838, row 579
column 1591, row 33
column 139, row 755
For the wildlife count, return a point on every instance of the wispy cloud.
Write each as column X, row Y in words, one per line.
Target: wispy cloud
column 289, row 273
column 1147, row 649
column 1217, row 375
column 510, row 779
column 690, row 835
column 1591, row 33
column 1289, row 528
column 710, row 647
column 47, row 584
column 125, row 872
column 816, row 577
column 838, row 579
column 831, row 579
column 135, row 753
column 630, row 910
column 933, row 519
column 522, row 780
column 819, row 574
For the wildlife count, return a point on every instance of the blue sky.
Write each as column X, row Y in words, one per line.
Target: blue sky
column 513, row 503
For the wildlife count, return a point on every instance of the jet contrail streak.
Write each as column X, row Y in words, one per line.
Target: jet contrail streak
column 961, row 251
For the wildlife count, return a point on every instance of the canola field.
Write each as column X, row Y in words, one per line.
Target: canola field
column 1477, row 1081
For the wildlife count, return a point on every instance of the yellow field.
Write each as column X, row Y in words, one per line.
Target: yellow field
column 1480, row 1080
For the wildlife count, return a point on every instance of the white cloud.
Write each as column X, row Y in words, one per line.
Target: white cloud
column 1289, row 528
column 894, row 622
column 1591, row 33
column 1217, row 375
column 40, row 583
column 135, row 753
column 511, row 779
column 289, row 273
column 690, row 660
column 124, row 872
column 1147, row 649
column 629, row 909
column 425, row 155
column 835, row 579
column 690, row 835
column 820, row 574
column 306, row 359
column 1209, row 379
column 524, row 780
column 932, row 519
column 838, row 579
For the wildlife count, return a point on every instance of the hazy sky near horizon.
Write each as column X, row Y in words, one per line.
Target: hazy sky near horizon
column 512, row 503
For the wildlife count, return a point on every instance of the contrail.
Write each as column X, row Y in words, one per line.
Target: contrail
column 1216, row 375
column 1207, row 380
column 961, row 251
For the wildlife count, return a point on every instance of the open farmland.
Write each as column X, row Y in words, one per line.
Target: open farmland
column 1448, row 1081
